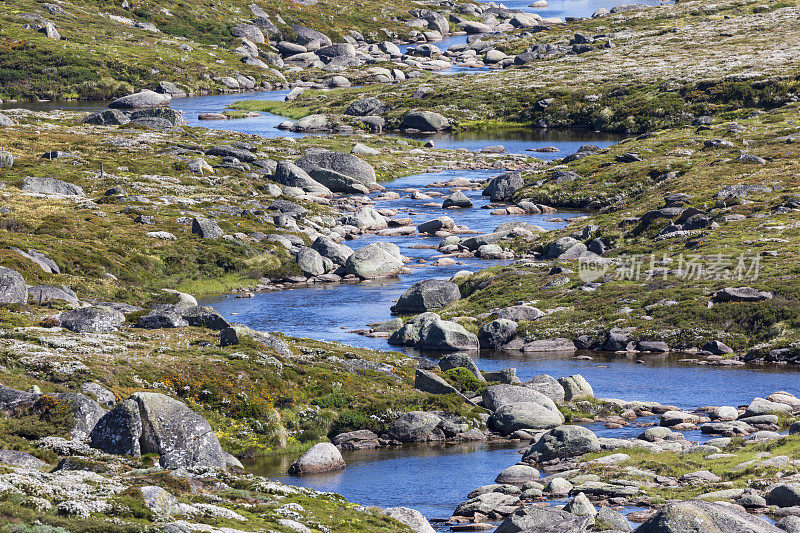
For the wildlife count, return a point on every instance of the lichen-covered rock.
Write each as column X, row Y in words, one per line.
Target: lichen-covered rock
column 374, row 261
column 524, row 415
column 410, row 517
column 322, row 457
column 698, row 515
column 13, row 289
column 92, row 319
column 233, row 334
column 150, row 422
column 563, row 442
column 427, row 295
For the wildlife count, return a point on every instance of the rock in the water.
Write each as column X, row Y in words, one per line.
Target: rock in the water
column 374, row 261
column 346, row 164
column 322, row 457
column 327, row 247
column 50, row 186
column 140, row 100
column 496, row 333
column 702, row 516
column 425, row 121
column 457, row 199
column 416, row 426
column 538, row 519
column 92, row 319
column 517, row 475
column 428, row 295
column 547, row 385
column 149, row 422
column 524, row 415
column 13, row 289
column 410, row 517
column 496, row 396
column 563, row 442
column 503, row 187
column 310, row 262
column 429, row 331
column 576, row 388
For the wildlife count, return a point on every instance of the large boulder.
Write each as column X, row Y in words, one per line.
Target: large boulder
column 496, row 333
column 519, row 313
column 415, row 520
column 427, row 295
column 460, row 360
column 369, row 106
column 287, row 173
column 426, row 381
column 496, row 396
column 92, row 319
column 20, row 459
column 563, row 442
column 784, row 495
column 336, row 52
column 576, row 388
column 232, row 151
column 149, row 422
column 346, row 164
column 13, row 289
column 145, row 98
column 6, row 121
column 741, row 294
column 503, row 187
column 250, row 32
column 428, row 331
column 206, row 228
column 374, row 261
column 42, row 294
column 336, row 252
column 707, row 517
column 427, row 121
column 310, row 262
column 366, row 218
column 322, row 457
column 50, row 186
column 538, row 519
column 304, row 36
column 547, row 385
column 85, row 411
column 236, row 332
column 107, row 117
column 416, row 426
column 524, row 415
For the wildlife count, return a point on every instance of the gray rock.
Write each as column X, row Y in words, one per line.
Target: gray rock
column 92, row 319
column 322, row 457
column 496, row 396
column 698, row 515
column 236, row 332
column 581, row 506
column 6, row 159
column 206, row 228
column 46, row 264
column 13, row 289
column 427, row 295
column 248, row 31
column 427, row 381
column 50, row 186
column 20, row 459
column 547, row 385
column 327, row 247
column 374, row 261
column 310, row 262
column 524, row 415
column 565, row 248
column 102, row 395
column 563, row 442
column 429, row 331
column 159, row 500
column 425, row 121
column 549, row 345
column 163, row 316
column 336, row 52
column 231, row 151
column 150, row 422
column 346, row 164
column 496, row 333
column 457, row 199
column 145, row 98
column 607, row 519
column 486, row 503
column 415, row 426
column 760, row 406
column 517, row 475
column 507, row 376
column 519, row 313
column 576, row 388
column 410, row 517
column 5, row 121
column 460, row 360
column 790, row 524
column 741, row 294
column 304, row 36
column 108, row 117
column 784, row 495
column 368, row 106
column 503, row 187
column 204, row 317
column 538, row 519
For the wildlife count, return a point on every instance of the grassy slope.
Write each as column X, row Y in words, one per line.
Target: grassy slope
column 101, row 58
column 666, row 64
